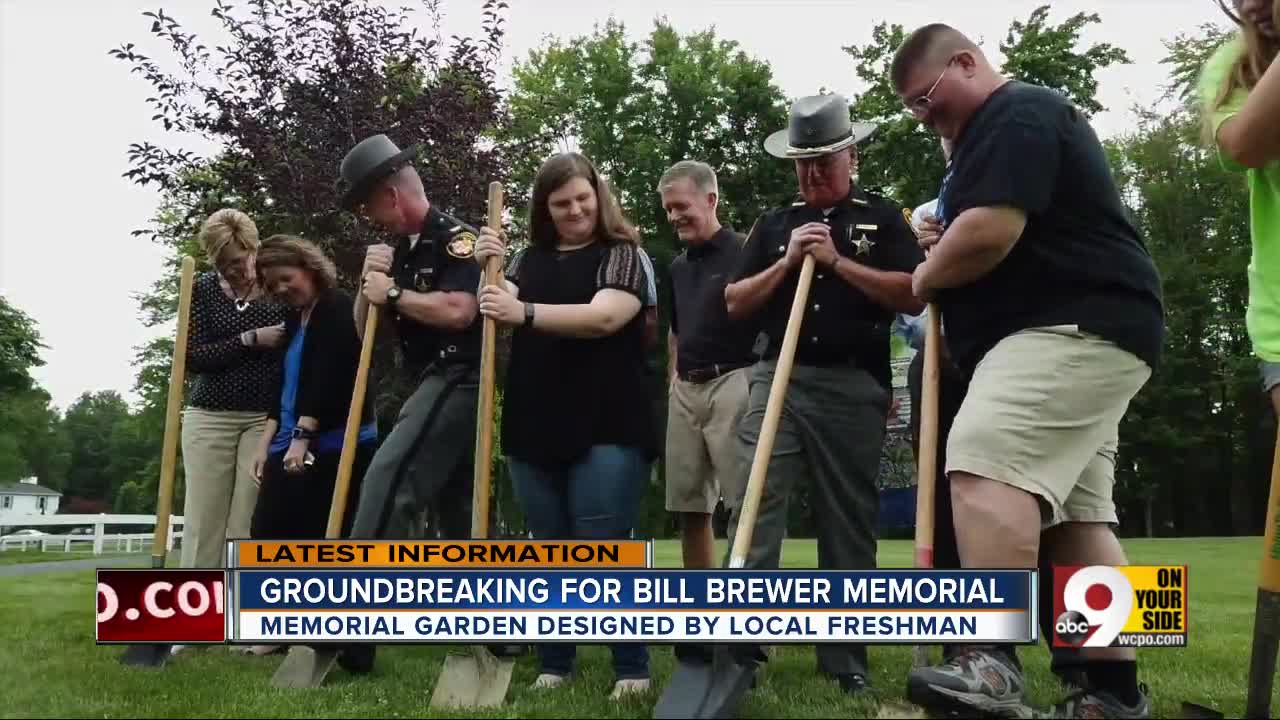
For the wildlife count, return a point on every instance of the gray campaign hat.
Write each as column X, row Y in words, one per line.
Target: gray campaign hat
column 371, row 160
column 818, row 125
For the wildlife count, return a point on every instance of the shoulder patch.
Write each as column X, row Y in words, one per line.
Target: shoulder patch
column 462, row 246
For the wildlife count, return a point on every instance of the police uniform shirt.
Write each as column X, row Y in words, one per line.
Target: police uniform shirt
column 440, row 259
column 841, row 325
column 705, row 335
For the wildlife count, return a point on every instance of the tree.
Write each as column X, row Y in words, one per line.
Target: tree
column 99, row 430
column 20, row 346
column 1202, row 414
column 295, row 86
column 1047, row 55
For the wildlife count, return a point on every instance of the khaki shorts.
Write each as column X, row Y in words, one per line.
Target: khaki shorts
column 1043, row 414
column 702, row 459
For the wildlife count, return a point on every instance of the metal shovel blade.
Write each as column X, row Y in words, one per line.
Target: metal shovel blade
column 146, row 655
column 305, row 667
column 479, row 679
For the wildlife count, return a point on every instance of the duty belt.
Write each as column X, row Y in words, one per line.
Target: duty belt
column 707, row 374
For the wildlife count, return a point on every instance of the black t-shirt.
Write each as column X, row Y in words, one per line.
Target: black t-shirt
column 441, row 260
column 562, row 394
column 841, row 325
column 1080, row 259
column 705, row 335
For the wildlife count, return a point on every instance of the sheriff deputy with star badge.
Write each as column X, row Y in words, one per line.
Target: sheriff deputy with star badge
column 427, row 283
column 837, row 402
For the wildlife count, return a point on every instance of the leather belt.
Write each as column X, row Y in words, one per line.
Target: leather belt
column 707, row 374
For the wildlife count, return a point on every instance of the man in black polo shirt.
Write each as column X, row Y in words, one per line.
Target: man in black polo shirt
column 708, row 357
column 833, row 422
column 427, row 282
column 1053, row 308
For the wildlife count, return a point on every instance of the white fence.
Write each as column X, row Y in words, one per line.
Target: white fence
column 99, row 540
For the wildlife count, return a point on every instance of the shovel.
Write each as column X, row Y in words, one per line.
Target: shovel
column 307, row 667
column 155, row 655
column 713, row 690
column 927, row 463
column 1266, row 619
column 481, row 678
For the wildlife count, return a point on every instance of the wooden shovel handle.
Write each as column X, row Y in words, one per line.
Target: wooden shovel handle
column 772, row 414
column 484, row 413
column 169, row 451
column 927, row 461
column 341, row 488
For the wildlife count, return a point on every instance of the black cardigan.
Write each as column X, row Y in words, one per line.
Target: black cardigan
column 330, row 359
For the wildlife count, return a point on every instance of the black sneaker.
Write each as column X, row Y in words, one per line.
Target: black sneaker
column 1096, row 704
column 976, row 680
column 358, row 659
column 853, row 683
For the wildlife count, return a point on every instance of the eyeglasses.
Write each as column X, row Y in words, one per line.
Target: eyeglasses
column 920, row 106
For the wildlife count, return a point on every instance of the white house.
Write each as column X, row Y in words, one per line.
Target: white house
column 28, row 497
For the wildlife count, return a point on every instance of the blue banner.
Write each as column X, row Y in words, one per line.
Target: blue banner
column 414, row 589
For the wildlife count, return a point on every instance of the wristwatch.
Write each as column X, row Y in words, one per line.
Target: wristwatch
column 301, row 433
column 528, row 314
column 393, row 295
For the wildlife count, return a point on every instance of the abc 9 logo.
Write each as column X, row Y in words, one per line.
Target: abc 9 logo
column 1095, row 597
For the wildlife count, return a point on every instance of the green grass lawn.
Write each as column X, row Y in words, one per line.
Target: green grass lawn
column 15, row 556
column 52, row 666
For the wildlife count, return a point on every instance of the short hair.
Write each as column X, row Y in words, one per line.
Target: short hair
column 699, row 173
column 925, row 44
column 295, row 252
column 225, row 227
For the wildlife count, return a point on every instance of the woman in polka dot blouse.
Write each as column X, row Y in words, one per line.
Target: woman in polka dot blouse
column 233, row 356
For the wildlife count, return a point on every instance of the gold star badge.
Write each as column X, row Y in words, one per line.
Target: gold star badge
column 863, row 245
column 462, row 246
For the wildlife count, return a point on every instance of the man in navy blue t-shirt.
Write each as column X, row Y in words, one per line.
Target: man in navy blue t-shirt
column 1052, row 307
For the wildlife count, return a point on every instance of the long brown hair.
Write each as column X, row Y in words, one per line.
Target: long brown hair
column 1255, row 57
column 295, row 252
column 612, row 225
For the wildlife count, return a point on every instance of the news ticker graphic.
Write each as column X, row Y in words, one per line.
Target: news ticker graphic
column 162, row 606
column 460, row 553
column 1128, row 606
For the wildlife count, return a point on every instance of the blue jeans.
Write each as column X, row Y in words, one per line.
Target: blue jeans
column 593, row 499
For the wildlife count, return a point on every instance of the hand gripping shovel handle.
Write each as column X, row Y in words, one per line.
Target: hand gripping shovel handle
column 488, row 360
column 169, row 452
column 350, row 439
column 772, row 414
column 927, row 462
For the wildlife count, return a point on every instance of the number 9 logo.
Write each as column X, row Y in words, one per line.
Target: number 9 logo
column 1095, row 583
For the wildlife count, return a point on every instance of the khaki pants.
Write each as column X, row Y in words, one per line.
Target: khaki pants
column 702, row 458
column 217, row 461
column 1043, row 414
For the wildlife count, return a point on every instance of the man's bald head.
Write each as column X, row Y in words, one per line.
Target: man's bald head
column 931, row 45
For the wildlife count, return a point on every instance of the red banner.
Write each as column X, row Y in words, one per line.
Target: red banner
column 161, row 606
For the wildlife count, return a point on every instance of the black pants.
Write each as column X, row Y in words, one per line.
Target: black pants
column 952, row 387
column 427, row 461
column 829, row 437
column 295, row 506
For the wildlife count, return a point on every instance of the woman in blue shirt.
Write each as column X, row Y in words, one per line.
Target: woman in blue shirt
column 297, row 460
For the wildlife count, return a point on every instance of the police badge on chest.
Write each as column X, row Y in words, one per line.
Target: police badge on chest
column 423, row 279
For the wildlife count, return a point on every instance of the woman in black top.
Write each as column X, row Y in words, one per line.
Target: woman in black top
column 576, row 422
column 232, row 355
column 297, row 457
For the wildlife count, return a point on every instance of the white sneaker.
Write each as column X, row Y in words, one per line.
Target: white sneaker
column 627, row 687
column 548, row 680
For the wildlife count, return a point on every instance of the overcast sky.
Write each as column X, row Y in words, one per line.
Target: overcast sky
column 68, row 112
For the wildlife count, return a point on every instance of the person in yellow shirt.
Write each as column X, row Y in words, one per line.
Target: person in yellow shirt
column 1239, row 91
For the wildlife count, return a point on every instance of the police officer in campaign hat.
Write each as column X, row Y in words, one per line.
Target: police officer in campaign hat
column 426, row 281
column 837, row 401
